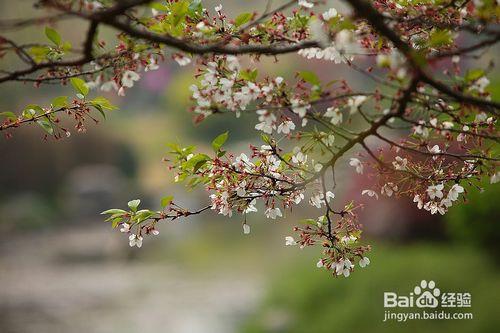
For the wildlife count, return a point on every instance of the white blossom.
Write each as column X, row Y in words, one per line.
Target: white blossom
column 419, row 201
column 462, row 136
column 339, row 267
column 446, row 203
column 265, row 127
column 299, row 107
column 93, row 5
column 329, row 14
column 420, row 129
column 346, row 42
column 286, row 126
column 435, row 191
column 434, row 150
column 355, row 102
column 110, row 85
column 356, row 163
column 454, row 192
column 182, row 60
column 347, row 240
column 400, row 163
column 240, row 190
column 251, row 207
column 328, row 140
column 299, row 157
column 135, row 240
column 273, row 213
column 152, row 65
column 318, row 32
column 129, row 77
column 481, row 117
column 448, row 124
column 370, row 193
column 335, row 114
column 364, row 262
column 388, row 189
column 317, row 200
column 347, row 268
column 306, row 4
column 434, row 208
column 495, row 178
column 289, row 241
column 481, row 84
column 125, row 227
column 94, row 84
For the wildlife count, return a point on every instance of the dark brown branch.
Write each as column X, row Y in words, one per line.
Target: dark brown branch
column 478, row 46
column 365, row 10
column 86, row 58
column 13, row 24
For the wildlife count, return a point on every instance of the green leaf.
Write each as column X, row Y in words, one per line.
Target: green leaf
column 28, row 113
column 143, row 215
column 166, row 201
column 114, row 211
column 103, row 103
column 265, row 139
column 31, row 110
column 59, row 102
column 310, row 77
column 219, row 141
column 116, row 221
column 46, row 125
column 39, row 53
column 242, row 19
column 179, row 12
column 309, row 222
column 8, row 115
column 195, row 7
column 440, row 38
column 248, row 75
column 158, row 6
column 53, row 35
column 346, row 24
column 79, row 85
column 66, row 46
column 133, row 204
column 198, row 165
column 195, row 162
column 474, row 74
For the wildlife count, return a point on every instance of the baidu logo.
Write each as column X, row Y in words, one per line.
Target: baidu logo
column 426, row 295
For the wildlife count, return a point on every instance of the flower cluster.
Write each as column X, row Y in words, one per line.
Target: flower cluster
column 224, row 85
column 340, row 244
column 135, row 223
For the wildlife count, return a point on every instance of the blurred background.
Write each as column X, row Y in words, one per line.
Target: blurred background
column 64, row 270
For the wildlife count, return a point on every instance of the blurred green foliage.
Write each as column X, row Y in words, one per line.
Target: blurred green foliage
column 305, row 299
column 476, row 222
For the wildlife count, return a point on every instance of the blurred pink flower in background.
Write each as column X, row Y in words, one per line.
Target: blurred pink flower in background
column 156, row 81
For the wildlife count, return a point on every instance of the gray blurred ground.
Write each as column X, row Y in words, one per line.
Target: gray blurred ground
column 83, row 280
